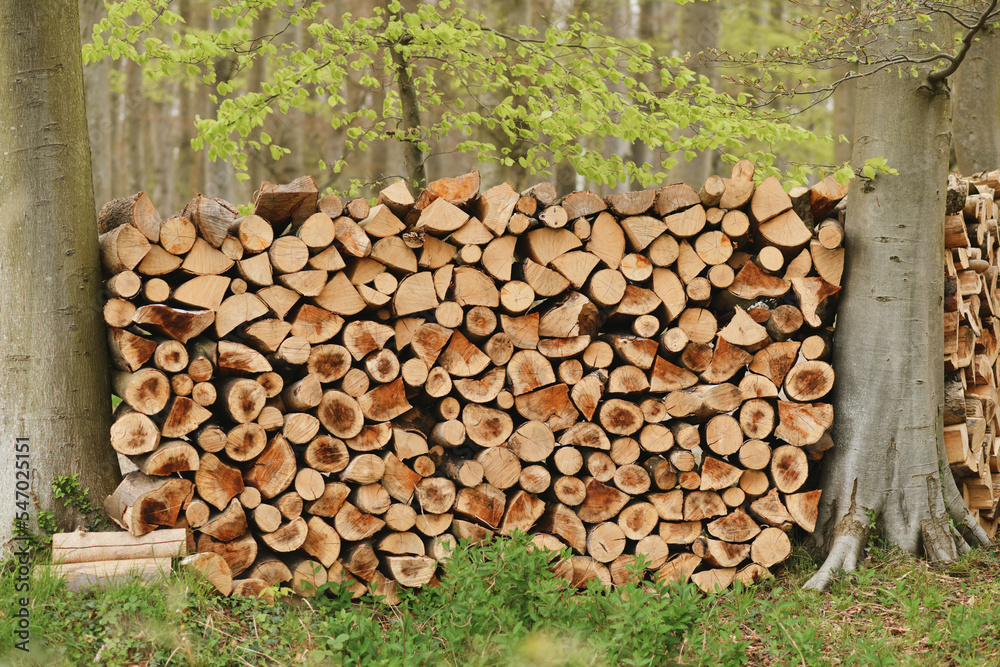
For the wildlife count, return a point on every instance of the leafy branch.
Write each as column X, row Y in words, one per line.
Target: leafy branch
column 447, row 83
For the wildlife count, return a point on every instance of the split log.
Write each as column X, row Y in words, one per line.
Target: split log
column 128, row 351
column 288, row 537
column 170, row 457
column 771, row 547
column 450, row 359
column 435, row 495
column 213, row 569
column 803, row 424
column 134, row 433
column 180, row 325
column 239, row 553
column 501, row 467
column 141, row 502
column 228, row 525
column 804, row 508
column 809, row 381
column 291, row 202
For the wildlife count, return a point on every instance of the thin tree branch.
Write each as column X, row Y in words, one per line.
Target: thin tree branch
column 937, row 77
column 941, row 10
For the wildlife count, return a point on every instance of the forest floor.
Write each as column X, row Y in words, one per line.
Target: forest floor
column 895, row 610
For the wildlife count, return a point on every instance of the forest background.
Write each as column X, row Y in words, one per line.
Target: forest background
column 195, row 89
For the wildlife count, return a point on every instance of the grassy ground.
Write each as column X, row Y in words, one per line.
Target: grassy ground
column 498, row 606
column 896, row 610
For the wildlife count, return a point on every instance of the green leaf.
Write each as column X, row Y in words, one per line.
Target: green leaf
column 844, row 174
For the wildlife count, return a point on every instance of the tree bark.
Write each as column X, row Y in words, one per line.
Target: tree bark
column 187, row 164
column 98, row 94
column 618, row 25
column 259, row 160
column 886, row 465
column 700, row 26
column 652, row 15
column 977, row 106
column 135, row 108
column 416, row 172
column 53, row 372
column 509, row 16
column 219, row 176
column 843, row 117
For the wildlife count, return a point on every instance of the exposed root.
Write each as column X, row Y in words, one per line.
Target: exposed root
column 938, row 540
column 972, row 532
column 851, row 560
column 843, row 556
column 963, row 546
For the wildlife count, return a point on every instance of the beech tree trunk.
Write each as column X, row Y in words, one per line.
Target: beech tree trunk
column 700, row 26
column 188, row 164
column 53, row 371
column 652, row 15
column 133, row 151
column 618, row 24
column 887, row 462
column 977, row 106
column 98, row 94
column 416, row 172
column 844, row 103
column 259, row 160
column 507, row 15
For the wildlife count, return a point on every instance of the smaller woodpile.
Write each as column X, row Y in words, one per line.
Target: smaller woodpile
column 86, row 559
column 336, row 392
column 971, row 332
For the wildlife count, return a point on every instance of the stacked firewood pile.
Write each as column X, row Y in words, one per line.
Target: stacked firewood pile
column 336, row 392
column 971, row 331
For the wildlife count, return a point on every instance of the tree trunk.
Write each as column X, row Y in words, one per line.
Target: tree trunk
column 977, row 106
column 98, row 94
column 700, row 26
column 220, row 176
column 509, row 16
column 416, row 172
column 843, row 117
column 292, row 126
column 618, row 25
column 53, row 372
column 154, row 148
column 259, row 160
column 652, row 16
column 135, row 107
column 565, row 178
column 887, row 462
column 166, row 141
column 188, row 167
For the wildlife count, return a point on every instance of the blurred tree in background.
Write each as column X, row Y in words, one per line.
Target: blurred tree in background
column 588, row 93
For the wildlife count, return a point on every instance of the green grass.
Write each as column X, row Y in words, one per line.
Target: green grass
column 498, row 605
column 895, row 610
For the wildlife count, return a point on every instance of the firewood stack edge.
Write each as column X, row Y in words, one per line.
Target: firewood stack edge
column 971, row 332
column 328, row 391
